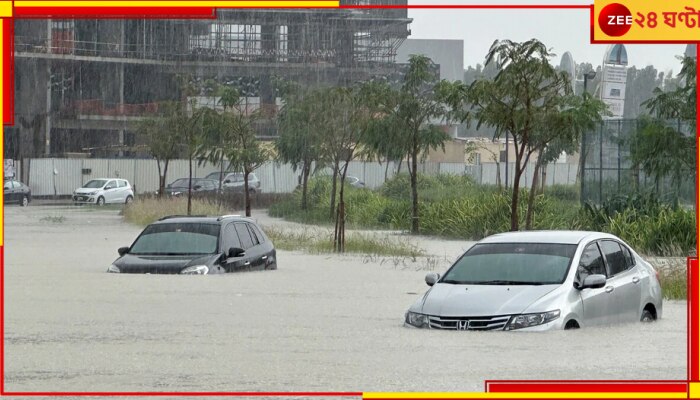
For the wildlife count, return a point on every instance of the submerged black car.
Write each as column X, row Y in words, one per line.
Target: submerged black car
column 16, row 192
column 192, row 245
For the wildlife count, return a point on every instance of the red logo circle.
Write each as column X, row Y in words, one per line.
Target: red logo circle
column 615, row 19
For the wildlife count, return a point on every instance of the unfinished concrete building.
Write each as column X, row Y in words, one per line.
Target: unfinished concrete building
column 82, row 85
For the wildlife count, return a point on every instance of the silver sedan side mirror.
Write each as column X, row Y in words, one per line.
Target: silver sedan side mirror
column 431, row 278
column 594, row 281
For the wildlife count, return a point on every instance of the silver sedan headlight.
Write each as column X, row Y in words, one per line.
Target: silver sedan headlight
column 417, row 320
column 114, row 269
column 195, row 270
column 528, row 320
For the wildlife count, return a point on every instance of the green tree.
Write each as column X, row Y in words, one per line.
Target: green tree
column 299, row 142
column 521, row 101
column 661, row 148
column 410, row 111
column 162, row 143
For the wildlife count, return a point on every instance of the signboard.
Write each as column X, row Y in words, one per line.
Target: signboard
column 9, row 168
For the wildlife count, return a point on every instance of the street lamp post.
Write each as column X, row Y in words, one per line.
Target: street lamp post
column 582, row 155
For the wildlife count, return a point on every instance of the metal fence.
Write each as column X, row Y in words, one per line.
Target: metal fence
column 60, row 176
column 607, row 168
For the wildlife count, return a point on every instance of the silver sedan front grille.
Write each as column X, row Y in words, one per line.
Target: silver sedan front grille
column 485, row 323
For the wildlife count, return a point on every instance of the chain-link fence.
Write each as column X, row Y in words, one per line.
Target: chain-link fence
column 607, row 168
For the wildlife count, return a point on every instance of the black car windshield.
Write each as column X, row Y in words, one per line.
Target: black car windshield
column 184, row 182
column 95, row 184
column 177, row 239
column 512, row 264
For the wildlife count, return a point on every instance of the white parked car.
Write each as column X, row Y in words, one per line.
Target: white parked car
column 540, row 281
column 104, row 191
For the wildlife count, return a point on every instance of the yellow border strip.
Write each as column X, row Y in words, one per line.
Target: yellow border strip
column 521, row 395
column 179, row 3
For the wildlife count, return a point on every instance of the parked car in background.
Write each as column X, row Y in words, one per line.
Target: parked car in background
column 16, row 192
column 200, row 187
column 233, row 181
column 104, row 191
column 541, row 281
column 196, row 245
column 354, row 181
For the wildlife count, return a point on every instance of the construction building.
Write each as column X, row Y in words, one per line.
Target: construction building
column 82, row 85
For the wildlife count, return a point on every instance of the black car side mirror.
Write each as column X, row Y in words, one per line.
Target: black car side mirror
column 123, row 250
column 236, row 252
column 196, row 187
column 227, row 181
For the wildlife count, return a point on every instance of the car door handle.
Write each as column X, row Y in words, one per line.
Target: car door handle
column 609, row 289
column 635, row 280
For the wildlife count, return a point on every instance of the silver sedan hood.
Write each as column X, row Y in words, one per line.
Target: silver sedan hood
column 481, row 300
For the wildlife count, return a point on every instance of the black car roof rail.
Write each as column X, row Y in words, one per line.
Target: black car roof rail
column 180, row 216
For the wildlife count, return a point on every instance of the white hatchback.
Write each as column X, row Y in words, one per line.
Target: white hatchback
column 104, row 191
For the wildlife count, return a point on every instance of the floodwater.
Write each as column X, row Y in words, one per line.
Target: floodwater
column 319, row 323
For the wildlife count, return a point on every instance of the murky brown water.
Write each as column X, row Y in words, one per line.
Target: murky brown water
column 319, row 323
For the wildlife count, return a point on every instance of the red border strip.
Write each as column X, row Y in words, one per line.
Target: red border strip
column 115, row 12
column 8, row 72
column 587, row 386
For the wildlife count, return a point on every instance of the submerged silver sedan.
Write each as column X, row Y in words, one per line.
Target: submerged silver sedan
column 540, row 280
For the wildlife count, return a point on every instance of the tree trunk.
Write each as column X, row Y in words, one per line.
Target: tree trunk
column 498, row 176
column 339, row 236
column 160, row 179
column 544, row 178
column 386, row 171
column 189, row 190
column 305, row 171
column 336, row 167
column 519, row 169
column 398, row 169
column 414, row 187
column 246, row 172
column 531, row 197
column 165, row 177
column 221, row 183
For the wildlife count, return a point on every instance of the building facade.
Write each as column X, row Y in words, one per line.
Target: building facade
column 81, row 86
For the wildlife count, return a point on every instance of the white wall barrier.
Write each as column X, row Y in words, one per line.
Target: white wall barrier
column 60, row 176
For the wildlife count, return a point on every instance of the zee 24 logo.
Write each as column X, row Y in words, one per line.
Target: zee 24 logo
column 616, row 20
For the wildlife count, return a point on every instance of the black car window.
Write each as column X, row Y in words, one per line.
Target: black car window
column 614, row 256
column 230, row 238
column 244, row 235
column 253, row 236
column 111, row 184
column 591, row 263
column 257, row 233
column 120, row 183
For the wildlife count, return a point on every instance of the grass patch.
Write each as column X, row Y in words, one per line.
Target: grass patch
column 674, row 284
column 54, row 219
column 319, row 241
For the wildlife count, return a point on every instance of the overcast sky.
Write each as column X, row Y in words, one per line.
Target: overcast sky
column 561, row 30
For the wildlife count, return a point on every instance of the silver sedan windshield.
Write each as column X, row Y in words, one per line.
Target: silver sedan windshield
column 512, row 264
